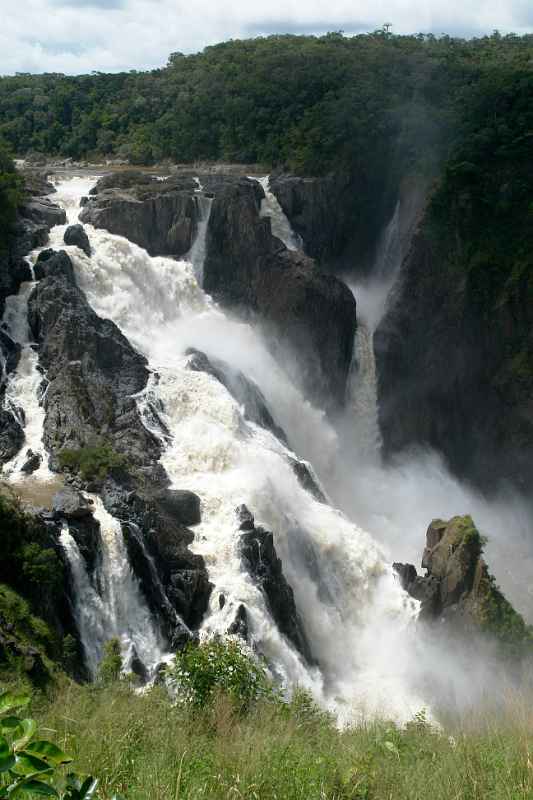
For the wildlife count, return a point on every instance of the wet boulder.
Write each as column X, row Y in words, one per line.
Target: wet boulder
column 32, row 463
column 76, row 235
column 160, row 216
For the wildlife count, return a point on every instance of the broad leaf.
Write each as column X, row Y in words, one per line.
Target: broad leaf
column 7, row 763
column 23, row 736
column 26, row 764
column 9, row 723
column 7, row 758
column 32, row 787
column 9, row 700
column 48, row 752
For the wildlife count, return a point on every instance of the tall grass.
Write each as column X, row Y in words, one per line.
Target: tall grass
column 143, row 747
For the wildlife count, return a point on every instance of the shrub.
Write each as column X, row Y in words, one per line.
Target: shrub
column 201, row 671
column 92, row 462
column 111, row 663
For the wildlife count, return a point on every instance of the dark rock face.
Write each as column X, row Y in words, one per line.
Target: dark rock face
column 75, row 235
column 72, row 507
column 454, row 377
column 92, row 371
column 310, row 316
column 53, row 263
column 261, row 560
column 244, row 390
column 35, row 217
column 457, row 589
column 173, row 579
column 41, row 210
column 69, row 504
column 337, row 229
column 11, row 436
column 160, row 216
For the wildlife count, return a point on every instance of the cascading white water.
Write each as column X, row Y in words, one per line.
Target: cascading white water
column 340, row 578
column 356, row 617
column 281, row 227
column 24, row 390
column 197, row 252
column 113, row 607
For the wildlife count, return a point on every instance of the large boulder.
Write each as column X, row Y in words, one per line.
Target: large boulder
column 92, row 370
column 159, row 215
column 35, row 216
column 309, row 317
column 174, row 580
column 259, row 557
column 76, row 235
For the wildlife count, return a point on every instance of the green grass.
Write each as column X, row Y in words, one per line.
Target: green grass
column 143, row 747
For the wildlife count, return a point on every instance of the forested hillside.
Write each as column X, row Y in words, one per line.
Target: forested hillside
column 311, row 103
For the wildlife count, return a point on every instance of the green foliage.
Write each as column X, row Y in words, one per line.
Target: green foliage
column 10, row 196
column 111, row 663
column 31, row 575
column 147, row 747
column 202, row 671
column 92, row 462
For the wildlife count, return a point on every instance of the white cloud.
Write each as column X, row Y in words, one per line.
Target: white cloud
column 76, row 36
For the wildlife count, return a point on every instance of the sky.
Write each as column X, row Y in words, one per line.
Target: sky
column 77, row 36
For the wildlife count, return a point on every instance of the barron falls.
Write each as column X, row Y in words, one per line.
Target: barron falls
column 194, row 413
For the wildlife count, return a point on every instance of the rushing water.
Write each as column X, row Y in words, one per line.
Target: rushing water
column 358, row 621
column 281, row 226
column 112, row 606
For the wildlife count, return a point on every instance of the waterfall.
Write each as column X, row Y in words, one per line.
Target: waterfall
column 112, row 606
column 348, row 591
column 362, row 395
column 371, row 296
column 197, row 252
column 281, row 226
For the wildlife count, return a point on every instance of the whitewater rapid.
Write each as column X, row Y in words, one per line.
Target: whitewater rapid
column 340, row 578
column 370, row 657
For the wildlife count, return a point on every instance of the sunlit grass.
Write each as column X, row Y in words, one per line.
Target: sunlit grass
column 143, row 747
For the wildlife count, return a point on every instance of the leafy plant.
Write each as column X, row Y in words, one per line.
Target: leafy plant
column 200, row 671
column 92, row 462
column 31, row 766
column 111, row 664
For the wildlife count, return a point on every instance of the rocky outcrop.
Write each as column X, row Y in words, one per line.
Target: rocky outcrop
column 76, row 235
column 454, row 350
column 338, row 216
column 261, row 560
column 36, row 215
column 309, row 317
column 173, row 580
column 457, row 589
column 92, row 371
column 159, row 215
column 73, row 508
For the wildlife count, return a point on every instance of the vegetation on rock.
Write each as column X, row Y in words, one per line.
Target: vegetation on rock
column 92, row 462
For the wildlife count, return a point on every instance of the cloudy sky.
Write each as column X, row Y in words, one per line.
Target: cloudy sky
column 76, row 36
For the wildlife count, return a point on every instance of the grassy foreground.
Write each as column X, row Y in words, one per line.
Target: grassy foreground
column 143, row 747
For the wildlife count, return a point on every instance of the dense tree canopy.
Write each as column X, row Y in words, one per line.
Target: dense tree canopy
column 311, row 103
